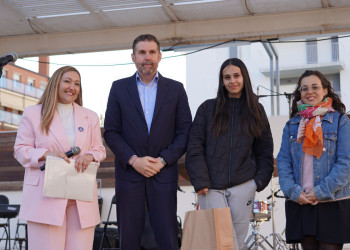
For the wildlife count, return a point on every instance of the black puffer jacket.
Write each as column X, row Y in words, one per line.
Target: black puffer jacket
column 231, row 159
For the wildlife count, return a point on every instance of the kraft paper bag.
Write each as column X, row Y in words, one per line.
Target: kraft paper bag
column 63, row 181
column 209, row 229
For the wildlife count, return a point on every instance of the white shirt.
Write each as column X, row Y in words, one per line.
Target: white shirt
column 66, row 115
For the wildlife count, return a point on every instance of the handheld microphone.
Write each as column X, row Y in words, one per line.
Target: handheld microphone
column 11, row 57
column 70, row 153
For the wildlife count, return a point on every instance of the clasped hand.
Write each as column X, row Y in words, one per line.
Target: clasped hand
column 308, row 198
column 203, row 191
column 148, row 166
column 81, row 162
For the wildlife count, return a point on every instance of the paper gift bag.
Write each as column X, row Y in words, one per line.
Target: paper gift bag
column 63, row 181
column 209, row 229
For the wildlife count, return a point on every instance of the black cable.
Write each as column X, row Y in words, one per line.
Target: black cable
column 196, row 51
column 31, row 26
column 270, row 90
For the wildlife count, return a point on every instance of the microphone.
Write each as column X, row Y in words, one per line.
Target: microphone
column 69, row 154
column 11, row 57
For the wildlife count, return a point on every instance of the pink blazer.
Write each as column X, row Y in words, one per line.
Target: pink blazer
column 31, row 145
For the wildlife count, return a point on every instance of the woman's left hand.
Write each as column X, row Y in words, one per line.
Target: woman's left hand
column 203, row 191
column 82, row 162
column 311, row 196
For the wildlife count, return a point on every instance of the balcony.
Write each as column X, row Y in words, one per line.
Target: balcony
column 20, row 88
column 9, row 118
column 295, row 58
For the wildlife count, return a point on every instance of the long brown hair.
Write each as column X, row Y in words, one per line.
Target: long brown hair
column 252, row 115
column 49, row 98
column 337, row 103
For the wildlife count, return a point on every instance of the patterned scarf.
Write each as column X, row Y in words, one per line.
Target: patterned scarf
column 310, row 125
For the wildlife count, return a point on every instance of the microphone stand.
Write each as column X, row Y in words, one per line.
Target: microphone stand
column 273, row 214
column 289, row 97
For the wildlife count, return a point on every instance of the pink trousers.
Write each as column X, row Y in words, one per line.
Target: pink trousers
column 69, row 236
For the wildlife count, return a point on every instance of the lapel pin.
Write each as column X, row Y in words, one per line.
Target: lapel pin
column 81, row 129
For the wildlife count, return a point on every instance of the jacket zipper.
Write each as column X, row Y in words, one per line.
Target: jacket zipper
column 231, row 143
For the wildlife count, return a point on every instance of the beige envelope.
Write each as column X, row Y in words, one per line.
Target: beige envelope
column 63, row 181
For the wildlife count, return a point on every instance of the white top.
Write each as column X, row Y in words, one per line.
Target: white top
column 66, row 114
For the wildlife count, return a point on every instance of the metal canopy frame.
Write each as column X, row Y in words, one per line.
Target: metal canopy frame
column 47, row 27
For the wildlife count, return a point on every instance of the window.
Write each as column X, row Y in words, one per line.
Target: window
column 17, row 85
column 335, row 81
column 4, row 73
column 31, row 82
column 335, row 49
column 311, row 52
column 43, row 85
column 16, row 77
column 2, row 78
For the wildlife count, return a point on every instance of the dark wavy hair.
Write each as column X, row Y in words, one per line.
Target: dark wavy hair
column 252, row 115
column 337, row 104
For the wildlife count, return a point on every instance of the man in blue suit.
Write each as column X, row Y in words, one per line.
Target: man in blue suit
column 146, row 126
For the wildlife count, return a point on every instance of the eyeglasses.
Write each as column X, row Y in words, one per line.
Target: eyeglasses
column 305, row 89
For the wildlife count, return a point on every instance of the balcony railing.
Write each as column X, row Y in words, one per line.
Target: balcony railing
column 9, row 117
column 21, row 88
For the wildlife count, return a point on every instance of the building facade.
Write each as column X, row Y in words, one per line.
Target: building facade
column 328, row 55
column 19, row 88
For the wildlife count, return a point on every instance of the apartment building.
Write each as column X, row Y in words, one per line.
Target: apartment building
column 20, row 88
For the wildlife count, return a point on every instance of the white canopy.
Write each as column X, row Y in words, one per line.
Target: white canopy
column 46, row 27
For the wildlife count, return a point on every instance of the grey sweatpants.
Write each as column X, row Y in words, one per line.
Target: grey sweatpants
column 240, row 199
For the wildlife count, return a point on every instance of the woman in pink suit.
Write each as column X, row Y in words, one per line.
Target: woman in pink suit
column 51, row 128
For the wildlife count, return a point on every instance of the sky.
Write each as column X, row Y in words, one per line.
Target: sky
column 97, row 78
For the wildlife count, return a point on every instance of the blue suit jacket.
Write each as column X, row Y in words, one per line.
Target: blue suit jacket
column 126, row 131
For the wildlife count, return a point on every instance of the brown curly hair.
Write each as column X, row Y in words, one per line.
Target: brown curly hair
column 337, row 104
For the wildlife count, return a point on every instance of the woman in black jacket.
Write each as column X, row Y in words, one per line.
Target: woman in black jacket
column 230, row 149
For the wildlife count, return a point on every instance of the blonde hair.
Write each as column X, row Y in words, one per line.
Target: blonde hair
column 49, row 98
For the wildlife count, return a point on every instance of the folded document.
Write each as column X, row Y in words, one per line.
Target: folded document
column 63, row 181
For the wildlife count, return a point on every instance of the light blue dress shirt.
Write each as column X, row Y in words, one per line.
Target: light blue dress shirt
column 148, row 95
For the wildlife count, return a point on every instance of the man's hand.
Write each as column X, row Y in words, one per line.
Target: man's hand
column 158, row 163
column 147, row 166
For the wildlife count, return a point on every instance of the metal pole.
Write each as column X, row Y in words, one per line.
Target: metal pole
column 268, row 50
column 273, row 214
column 233, row 50
column 277, row 74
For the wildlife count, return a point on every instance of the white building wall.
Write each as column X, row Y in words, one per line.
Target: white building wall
column 291, row 54
column 256, row 58
column 344, row 57
column 202, row 75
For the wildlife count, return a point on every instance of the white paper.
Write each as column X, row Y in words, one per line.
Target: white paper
column 63, row 181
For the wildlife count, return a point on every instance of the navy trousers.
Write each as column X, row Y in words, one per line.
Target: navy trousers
column 161, row 201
